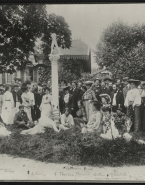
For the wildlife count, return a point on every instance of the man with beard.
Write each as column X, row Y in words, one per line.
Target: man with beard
column 104, row 89
column 110, row 85
column 117, row 99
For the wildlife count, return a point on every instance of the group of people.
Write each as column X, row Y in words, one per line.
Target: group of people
column 88, row 104
column 91, row 103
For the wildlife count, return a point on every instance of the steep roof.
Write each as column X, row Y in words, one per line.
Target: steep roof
column 78, row 50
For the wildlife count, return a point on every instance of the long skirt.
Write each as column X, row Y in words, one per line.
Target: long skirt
column 88, row 109
column 8, row 113
column 135, row 117
column 28, row 111
column 46, row 110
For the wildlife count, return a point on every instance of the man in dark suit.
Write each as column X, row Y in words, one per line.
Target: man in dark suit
column 117, row 99
column 67, row 100
column 75, row 95
column 17, row 95
column 104, row 89
column 38, row 99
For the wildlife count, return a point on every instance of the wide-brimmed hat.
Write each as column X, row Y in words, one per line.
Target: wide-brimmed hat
column 66, row 88
column 109, row 79
column 106, row 96
column 133, row 81
column 89, row 82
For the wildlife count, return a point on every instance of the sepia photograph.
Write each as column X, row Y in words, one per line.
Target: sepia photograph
column 72, row 92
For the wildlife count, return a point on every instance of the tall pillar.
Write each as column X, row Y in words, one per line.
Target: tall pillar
column 55, row 91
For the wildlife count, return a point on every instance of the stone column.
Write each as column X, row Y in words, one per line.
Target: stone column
column 55, row 91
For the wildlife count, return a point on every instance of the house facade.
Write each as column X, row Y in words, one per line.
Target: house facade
column 79, row 52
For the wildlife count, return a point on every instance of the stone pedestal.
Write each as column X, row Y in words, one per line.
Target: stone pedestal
column 55, row 90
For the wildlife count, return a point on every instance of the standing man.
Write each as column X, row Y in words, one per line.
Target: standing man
column 17, row 96
column 126, row 86
column 107, row 81
column 117, row 99
column 104, row 89
column 75, row 94
column 96, row 84
column 119, row 84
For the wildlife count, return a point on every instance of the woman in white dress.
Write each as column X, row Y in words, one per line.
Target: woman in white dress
column 32, row 102
column 46, row 113
column 8, row 112
column 26, row 102
column 45, row 107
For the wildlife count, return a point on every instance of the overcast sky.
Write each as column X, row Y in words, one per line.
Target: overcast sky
column 88, row 21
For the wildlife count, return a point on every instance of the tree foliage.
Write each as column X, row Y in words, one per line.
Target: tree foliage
column 121, row 50
column 20, row 27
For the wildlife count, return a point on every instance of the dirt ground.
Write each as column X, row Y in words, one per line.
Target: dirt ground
column 24, row 169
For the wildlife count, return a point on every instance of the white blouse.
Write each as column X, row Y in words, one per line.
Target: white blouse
column 32, row 99
column 134, row 96
column 8, row 97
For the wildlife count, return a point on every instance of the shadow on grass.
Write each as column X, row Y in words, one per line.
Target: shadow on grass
column 73, row 148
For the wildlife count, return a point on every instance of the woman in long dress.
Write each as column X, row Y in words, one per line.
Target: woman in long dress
column 95, row 122
column 133, row 102
column 46, row 104
column 8, row 111
column 26, row 102
column 80, row 114
column 32, row 102
column 46, row 113
column 89, row 96
column 67, row 120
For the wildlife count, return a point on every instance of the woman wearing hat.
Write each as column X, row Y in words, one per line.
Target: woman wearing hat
column 67, row 100
column 133, row 102
column 88, row 96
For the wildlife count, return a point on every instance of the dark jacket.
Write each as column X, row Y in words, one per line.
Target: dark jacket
column 19, row 93
column 119, row 98
column 20, row 117
column 75, row 94
column 105, row 91
column 38, row 99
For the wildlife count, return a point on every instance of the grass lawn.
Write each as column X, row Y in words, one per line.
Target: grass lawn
column 74, row 148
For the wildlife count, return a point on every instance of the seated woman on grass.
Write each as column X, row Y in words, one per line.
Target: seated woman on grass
column 81, row 114
column 66, row 120
column 95, row 122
